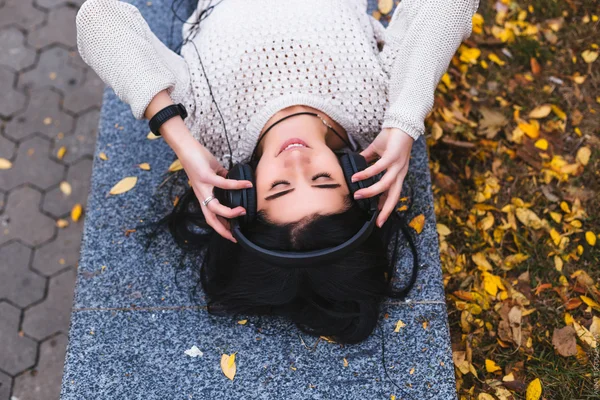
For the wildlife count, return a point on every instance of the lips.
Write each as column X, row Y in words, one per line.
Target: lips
column 292, row 143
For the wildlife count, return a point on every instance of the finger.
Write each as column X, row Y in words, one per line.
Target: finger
column 217, row 225
column 372, row 170
column 379, row 187
column 390, row 203
column 230, row 184
column 219, row 209
column 369, row 153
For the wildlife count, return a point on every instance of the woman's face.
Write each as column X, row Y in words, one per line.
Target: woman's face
column 298, row 174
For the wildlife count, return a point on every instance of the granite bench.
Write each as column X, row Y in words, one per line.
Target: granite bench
column 131, row 323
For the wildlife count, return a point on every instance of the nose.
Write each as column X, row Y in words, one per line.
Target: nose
column 297, row 158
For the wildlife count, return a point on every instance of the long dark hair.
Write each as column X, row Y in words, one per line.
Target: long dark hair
column 338, row 299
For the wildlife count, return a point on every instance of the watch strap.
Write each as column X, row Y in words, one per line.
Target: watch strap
column 164, row 115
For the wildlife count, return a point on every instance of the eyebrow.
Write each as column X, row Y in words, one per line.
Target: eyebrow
column 323, row 186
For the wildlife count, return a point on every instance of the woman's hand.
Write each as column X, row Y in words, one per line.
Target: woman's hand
column 393, row 146
column 204, row 173
column 201, row 167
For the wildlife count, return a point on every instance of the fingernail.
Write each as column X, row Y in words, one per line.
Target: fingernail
column 243, row 213
column 248, row 185
column 358, row 196
column 354, row 179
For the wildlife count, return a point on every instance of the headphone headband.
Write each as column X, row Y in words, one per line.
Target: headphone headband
column 299, row 259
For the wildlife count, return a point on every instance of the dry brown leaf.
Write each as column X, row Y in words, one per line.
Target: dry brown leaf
column 491, row 123
column 5, row 164
column 124, row 185
column 417, row 223
column 228, row 365
column 514, row 319
column 564, row 341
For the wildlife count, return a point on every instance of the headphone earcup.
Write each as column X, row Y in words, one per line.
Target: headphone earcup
column 352, row 163
column 240, row 197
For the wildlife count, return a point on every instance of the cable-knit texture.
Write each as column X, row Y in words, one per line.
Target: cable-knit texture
column 264, row 55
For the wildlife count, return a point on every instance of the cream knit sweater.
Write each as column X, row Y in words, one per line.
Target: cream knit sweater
column 264, row 55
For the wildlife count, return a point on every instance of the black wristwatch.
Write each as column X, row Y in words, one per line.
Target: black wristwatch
column 164, row 115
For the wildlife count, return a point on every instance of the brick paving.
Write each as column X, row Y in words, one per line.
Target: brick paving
column 50, row 99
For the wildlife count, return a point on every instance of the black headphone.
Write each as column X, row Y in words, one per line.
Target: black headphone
column 351, row 163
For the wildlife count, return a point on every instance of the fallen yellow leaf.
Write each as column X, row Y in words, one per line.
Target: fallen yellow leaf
column 481, row 261
column 495, row 59
column 145, row 166
column 590, row 238
column 541, row 144
column 491, row 366
column 228, row 365
column 76, row 212
column 65, row 187
column 534, row 390
column 152, row 136
column 417, row 223
column 443, row 230
column 531, row 129
column 469, row 55
column 102, row 156
column 559, row 113
column 385, row 6
column 175, row 166
column 345, row 362
column 541, row 111
column 242, row 321
column 124, row 185
column 61, row 152
column 583, row 155
column 399, row 325
column 589, row 56
column 5, row 164
column 590, row 302
column 62, row 223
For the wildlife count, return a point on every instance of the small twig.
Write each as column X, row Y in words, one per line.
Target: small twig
column 456, row 143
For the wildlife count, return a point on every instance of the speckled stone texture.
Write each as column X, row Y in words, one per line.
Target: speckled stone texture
column 131, row 322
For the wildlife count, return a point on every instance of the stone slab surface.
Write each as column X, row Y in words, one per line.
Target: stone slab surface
column 139, row 354
column 131, row 322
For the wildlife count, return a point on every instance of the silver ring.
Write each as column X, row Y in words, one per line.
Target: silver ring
column 208, row 199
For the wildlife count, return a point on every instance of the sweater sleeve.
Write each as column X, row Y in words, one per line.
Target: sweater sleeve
column 116, row 42
column 421, row 39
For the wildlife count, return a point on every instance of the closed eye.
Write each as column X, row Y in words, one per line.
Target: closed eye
column 321, row 175
column 279, row 183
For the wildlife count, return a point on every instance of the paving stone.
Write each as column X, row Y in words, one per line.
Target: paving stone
column 18, row 283
column 14, row 53
column 54, row 3
column 21, row 13
column 7, row 148
column 32, row 165
column 18, row 352
column 42, row 115
column 5, row 384
column 78, row 176
column 23, row 220
column 11, row 101
column 43, row 383
column 85, row 96
column 53, row 70
column 60, row 28
column 61, row 252
column 53, row 315
column 83, row 141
